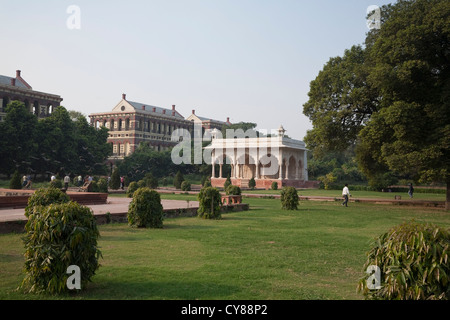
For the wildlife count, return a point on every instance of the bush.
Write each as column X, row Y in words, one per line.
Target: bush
column 132, row 187
column 289, row 198
column 233, row 190
column 252, row 183
column 186, row 186
column 150, row 181
column 102, row 185
column 145, row 209
column 45, row 197
column 274, row 185
column 207, row 183
column 178, row 180
column 413, row 260
column 57, row 183
column 114, row 183
column 58, row 236
column 16, row 181
column 227, row 183
column 209, row 203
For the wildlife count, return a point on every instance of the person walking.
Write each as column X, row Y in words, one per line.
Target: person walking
column 411, row 190
column 345, row 194
column 66, row 181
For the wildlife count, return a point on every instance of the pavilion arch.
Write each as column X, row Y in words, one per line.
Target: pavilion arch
column 291, row 171
column 245, row 167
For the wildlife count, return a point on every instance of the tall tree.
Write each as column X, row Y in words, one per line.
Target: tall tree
column 401, row 82
column 340, row 102
column 18, row 144
column 411, row 71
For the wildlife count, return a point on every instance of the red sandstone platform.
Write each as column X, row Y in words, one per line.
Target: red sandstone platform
column 10, row 198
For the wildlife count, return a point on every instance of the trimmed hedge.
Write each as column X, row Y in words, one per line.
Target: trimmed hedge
column 58, row 236
column 145, row 209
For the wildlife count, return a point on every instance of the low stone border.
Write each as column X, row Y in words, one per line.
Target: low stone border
column 105, row 218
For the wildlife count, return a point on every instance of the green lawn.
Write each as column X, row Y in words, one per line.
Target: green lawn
column 357, row 194
column 316, row 252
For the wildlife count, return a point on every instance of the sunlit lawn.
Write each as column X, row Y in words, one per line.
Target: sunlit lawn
column 316, row 252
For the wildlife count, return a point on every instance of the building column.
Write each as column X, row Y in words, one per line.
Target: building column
column 220, row 170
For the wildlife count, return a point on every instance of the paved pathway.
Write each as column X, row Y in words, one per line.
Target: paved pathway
column 114, row 205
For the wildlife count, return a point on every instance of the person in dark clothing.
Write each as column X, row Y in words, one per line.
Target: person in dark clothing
column 411, row 190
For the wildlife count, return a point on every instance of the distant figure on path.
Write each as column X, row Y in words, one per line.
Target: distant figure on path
column 345, row 194
column 28, row 185
column 411, row 190
column 66, row 181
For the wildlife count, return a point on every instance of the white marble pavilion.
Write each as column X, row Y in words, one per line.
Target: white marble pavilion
column 266, row 159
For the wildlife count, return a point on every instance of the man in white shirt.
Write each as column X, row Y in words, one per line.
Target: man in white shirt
column 345, row 194
column 66, row 182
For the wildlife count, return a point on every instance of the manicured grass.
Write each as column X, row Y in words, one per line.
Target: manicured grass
column 316, row 252
column 357, row 194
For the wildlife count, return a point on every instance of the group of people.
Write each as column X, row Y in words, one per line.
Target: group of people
column 346, row 193
column 80, row 180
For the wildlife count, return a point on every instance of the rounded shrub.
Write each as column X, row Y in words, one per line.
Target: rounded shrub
column 178, row 180
column 186, row 186
column 145, row 209
column 289, row 198
column 413, row 262
column 132, row 187
column 15, row 182
column 58, row 236
column 102, row 185
column 274, row 185
column 227, row 183
column 57, row 183
column 210, row 203
column 233, row 190
column 45, row 197
column 252, row 183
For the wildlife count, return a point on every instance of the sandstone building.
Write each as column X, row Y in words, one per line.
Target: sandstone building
column 131, row 123
column 16, row 88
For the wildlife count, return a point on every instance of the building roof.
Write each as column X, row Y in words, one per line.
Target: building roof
column 154, row 109
column 5, row 80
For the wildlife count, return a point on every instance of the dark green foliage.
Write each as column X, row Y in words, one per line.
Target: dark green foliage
column 57, row 236
column 207, row 183
column 102, row 185
column 186, row 186
column 16, row 181
column 414, row 263
column 145, row 209
column 45, row 197
column 384, row 95
column 50, row 144
column 132, row 187
column 289, row 198
column 57, row 183
column 178, row 180
column 252, row 183
column 114, row 183
column 233, row 190
column 227, row 183
column 210, row 203
column 150, row 181
column 274, row 185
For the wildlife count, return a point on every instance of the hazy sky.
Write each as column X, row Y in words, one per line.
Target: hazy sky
column 250, row 60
